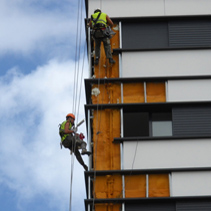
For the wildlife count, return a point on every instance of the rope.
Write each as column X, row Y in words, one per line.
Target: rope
column 76, row 54
column 82, row 70
column 76, row 75
column 76, row 95
column 73, row 106
column 71, row 177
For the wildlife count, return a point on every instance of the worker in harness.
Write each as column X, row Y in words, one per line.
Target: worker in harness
column 72, row 140
column 99, row 24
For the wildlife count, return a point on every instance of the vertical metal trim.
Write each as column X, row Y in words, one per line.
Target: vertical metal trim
column 89, row 53
column 121, row 114
column 120, row 34
column 122, row 94
column 123, row 206
column 170, row 184
column 147, row 185
column 120, row 66
column 166, row 90
column 120, row 44
column 122, row 135
column 121, row 154
column 89, row 138
column 89, row 188
column 145, row 92
column 122, row 160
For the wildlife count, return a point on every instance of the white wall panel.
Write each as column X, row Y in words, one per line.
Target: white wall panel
column 189, row 90
column 166, row 63
column 187, row 7
column 138, row 8
column 191, row 183
column 128, row 8
column 167, row 154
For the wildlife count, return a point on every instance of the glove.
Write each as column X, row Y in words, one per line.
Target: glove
column 74, row 130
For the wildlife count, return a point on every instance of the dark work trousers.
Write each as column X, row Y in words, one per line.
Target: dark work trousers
column 99, row 37
column 71, row 143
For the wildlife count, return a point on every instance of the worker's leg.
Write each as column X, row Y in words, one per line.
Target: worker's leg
column 82, row 144
column 107, row 47
column 79, row 158
column 69, row 143
column 97, row 48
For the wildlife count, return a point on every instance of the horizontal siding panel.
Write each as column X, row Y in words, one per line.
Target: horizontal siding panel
column 193, row 206
column 152, row 207
column 191, row 121
column 144, row 35
column 189, row 33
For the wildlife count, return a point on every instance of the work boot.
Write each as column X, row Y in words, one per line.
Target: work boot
column 85, row 152
column 96, row 61
column 111, row 61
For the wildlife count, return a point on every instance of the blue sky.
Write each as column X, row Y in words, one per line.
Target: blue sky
column 37, row 64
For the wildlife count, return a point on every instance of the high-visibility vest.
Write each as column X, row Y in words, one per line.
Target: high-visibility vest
column 101, row 20
column 61, row 130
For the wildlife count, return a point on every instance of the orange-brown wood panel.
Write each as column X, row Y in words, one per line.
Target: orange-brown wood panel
column 133, row 93
column 108, row 207
column 109, row 93
column 106, row 126
column 156, row 92
column 159, row 185
column 109, row 186
column 135, row 186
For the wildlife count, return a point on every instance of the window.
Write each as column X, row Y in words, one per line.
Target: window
column 145, row 124
column 169, row 33
column 136, row 124
column 161, row 124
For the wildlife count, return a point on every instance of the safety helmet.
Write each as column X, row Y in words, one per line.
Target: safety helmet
column 71, row 115
column 97, row 10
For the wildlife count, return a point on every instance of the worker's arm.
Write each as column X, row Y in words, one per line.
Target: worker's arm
column 66, row 128
column 109, row 21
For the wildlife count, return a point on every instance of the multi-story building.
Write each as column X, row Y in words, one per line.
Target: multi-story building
column 149, row 115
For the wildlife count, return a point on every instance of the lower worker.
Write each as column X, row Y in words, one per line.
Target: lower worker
column 99, row 23
column 73, row 141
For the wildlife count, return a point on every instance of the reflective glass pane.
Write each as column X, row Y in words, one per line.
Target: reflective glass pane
column 162, row 128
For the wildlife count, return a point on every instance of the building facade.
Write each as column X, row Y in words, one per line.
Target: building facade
column 149, row 115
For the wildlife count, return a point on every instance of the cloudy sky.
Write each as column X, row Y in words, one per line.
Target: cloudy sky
column 37, row 64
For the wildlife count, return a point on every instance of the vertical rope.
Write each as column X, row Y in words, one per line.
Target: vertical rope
column 75, row 90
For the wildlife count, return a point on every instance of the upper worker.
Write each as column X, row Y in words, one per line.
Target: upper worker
column 99, row 22
column 72, row 140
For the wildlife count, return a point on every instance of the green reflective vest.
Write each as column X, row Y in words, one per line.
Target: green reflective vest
column 101, row 19
column 61, row 130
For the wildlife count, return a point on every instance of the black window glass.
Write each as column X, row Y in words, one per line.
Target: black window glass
column 136, row 124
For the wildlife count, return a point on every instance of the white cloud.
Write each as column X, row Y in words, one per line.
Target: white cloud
column 26, row 25
column 31, row 108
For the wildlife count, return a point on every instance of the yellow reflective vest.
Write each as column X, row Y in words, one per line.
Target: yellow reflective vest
column 101, row 20
column 61, row 130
